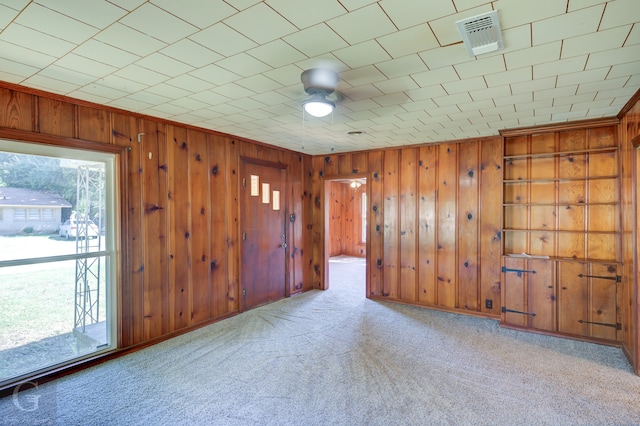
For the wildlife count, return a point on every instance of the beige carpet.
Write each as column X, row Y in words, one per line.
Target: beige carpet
column 336, row 358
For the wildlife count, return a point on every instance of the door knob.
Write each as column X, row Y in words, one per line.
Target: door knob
column 283, row 245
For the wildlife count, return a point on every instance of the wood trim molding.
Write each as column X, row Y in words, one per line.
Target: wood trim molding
column 60, row 141
column 636, row 142
column 558, row 127
column 259, row 162
column 630, row 103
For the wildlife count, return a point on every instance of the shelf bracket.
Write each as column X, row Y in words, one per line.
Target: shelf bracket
column 617, row 326
column 617, row 278
column 517, row 271
column 505, row 310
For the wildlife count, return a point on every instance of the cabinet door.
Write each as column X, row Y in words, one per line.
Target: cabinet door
column 573, row 297
column 603, row 316
column 514, row 294
column 541, row 289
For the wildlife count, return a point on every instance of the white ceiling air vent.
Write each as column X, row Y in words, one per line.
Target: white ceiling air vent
column 481, row 33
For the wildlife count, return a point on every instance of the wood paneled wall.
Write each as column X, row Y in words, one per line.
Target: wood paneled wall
column 179, row 220
column 345, row 219
column 434, row 222
column 630, row 179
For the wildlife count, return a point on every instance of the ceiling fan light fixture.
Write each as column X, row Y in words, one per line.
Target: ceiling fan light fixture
column 318, row 106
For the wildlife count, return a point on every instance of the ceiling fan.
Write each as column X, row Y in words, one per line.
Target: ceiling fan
column 320, row 84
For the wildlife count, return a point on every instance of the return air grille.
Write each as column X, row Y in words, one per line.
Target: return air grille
column 481, row 33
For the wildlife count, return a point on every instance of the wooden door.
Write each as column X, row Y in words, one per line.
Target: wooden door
column 262, row 227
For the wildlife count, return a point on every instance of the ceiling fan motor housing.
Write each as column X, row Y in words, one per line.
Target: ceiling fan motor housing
column 319, row 80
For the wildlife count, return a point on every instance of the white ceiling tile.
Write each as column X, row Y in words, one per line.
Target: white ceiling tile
column 596, row 86
column 360, row 76
column 55, row 24
column 453, row 100
column 515, row 38
column 350, row 27
column 569, row 116
column 129, row 104
column 474, row 107
column 399, row 84
column 89, row 97
column 570, row 100
column 287, row 75
column 259, row 84
column 513, row 13
column 362, row 54
column 552, row 110
column 411, row 40
column 127, row 4
column 428, row 93
column 214, row 74
column 509, row 77
column 474, row 83
column 102, row 91
column 67, row 75
column 119, row 83
column 537, row 54
column 149, row 98
column 589, row 76
column 247, row 104
column 624, row 70
column 305, row 13
column 491, row 92
column 634, row 36
column 614, row 56
column 23, row 55
column 168, row 91
column 260, row 23
column 623, row 92
column 17, row 68
column 564, row 66
column 6, row 16
column 620, row 12
column 189, row 104
column 189, row 83
column 157, row 23
column 50, row 84
column 445, row 28
column 101, row 52
column 559, row 92
column 513, row 99
column 15, row 4
column 595, row 42
column 164, row 65
column 362, row 92
column 567, row 25
column 170, row 109
column 88, row 66
column 407, row 13
column 533, row 85
column 270, row 98
column 141, row 75
column 243, row 64
column 223, row 39
column 10, row 78
column 306, row 41
column 444, row 56
column 534, row 105
column 436, row 76
column 35, row 40
column 481, row 66
column 276, row 54
column 406, row 65
column 210, row 98
column 126, row 38
column 233, row 91
column 201, row 13
column 191, row 53
column 97, row 13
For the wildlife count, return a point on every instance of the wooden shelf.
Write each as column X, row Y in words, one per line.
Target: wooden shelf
column 561, row 154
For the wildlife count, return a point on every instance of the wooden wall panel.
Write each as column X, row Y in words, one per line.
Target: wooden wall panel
column 407, row 223
column 16, row 110
column 56, row 117
column 391, row 248
column 427, row 229
column 375, row 253
column 316, row 262
column 447, row 230
column 94, row 124
column 337, row 193
column 468, row 216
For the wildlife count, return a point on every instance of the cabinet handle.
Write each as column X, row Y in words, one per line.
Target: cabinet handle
column 505, row 310
column 617, row 326
column 617, row 278
column 518, row 271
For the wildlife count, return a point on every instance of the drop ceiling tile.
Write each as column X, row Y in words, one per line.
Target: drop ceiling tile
column 270, row 98
column 191, row 53
column 148, row 97
column 247, row 104
column 305, row 13
column 210, row 98
column 55, row 24
column 593, row 104
column 233, row 91
column 102, row 91
column 411, row 40
column 17, row 68
column 141, row 75
column 566, row 25
column 89, row 97
column 509, row 77
column 407, row 13
column 362, row 92
column 15, row 53
column 513, row 13
column 362, row 24
column 119, row 83
column 445, row 28
column 362, row 54
column 474, row 107
column 96, row 13
column 15, row 4
column 276, row 54
column 513, row 99
column 168, row 91
column 50, row 85
column 563, row 66
column 88, row 66
column 101, row 52
column 437, row 76
column 569, row 100
column 596, row 86
column 559, row 92
column 170, row 109
column 306, row 41
column 460, row 86
column 491, row 92
column 223, row 39
column 215, row 74
column 157, row 23
column 623, row 92
column 395, row 85
column 189, row 83
column 189, row 104
column 7, row 15
column 595, row 75
column 620, row 12
column 533, row 85
column 259, row 84
column 360, row 76
column 129, row 104
column 569, row 116
column 164, row 65
column 428, row 92
column 201, row 13
column 534, row 105
column 10, row 78
column 534, row 55
column 552, row 110
column 260, row 23
column 125, row 38
column 127, row 4
column 453, row 100
column 64, row 74
column 624, row 70
column 445, row 56
column 614, row 57
column 481, row 66
column 595, row 42
column 35, row 40
column 243, row 64
column 634, row 36
column 406, row 65
column 610, row 111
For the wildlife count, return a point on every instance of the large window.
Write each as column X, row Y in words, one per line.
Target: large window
column 57, row 272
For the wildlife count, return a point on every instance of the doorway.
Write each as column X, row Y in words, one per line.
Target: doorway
column 262, row 227
column 346, row 234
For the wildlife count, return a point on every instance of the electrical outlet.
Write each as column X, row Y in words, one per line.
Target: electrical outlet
column 488, row 303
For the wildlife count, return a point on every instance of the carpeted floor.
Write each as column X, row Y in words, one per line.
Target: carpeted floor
column 336, row 358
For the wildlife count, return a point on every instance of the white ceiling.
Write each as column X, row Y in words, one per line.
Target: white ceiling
column 234, row 65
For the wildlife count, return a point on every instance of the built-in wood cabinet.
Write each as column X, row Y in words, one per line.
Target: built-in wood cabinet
column 561, row 232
